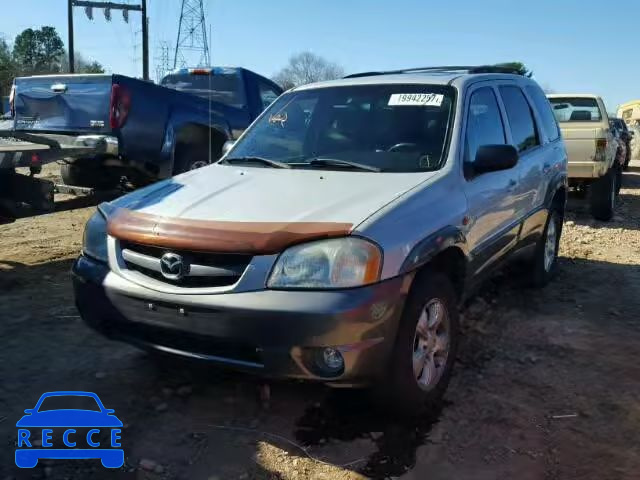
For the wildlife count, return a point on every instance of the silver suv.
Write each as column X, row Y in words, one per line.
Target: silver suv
column 335, row 240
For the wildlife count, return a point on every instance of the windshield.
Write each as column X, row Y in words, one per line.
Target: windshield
column 396, row 128
column 567, row 109
column 66, row 402
column 220, row 87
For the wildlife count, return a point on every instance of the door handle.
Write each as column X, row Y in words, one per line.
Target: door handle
column 59, row 87
column 512, row 185
column 546, row 168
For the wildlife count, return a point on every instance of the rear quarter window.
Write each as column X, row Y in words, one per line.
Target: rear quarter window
column 542, row 105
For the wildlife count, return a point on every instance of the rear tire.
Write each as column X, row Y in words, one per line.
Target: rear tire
column 423, row 336
column 88, row 175
column 627, row 159
column 191, row 157
column 545, row 259
column 603, row 196
column 618, row 178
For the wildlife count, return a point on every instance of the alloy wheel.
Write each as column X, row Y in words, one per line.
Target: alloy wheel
column 431, row 344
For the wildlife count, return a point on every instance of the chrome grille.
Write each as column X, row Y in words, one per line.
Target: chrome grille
column 199, row 269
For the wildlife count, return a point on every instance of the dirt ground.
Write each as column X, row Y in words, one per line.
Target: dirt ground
column 546, row 384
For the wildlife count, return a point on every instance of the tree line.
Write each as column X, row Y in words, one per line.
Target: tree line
column 307, row 67
column 38, row 52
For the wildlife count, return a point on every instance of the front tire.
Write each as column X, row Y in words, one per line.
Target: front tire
column 603, row 196
column 425, row 348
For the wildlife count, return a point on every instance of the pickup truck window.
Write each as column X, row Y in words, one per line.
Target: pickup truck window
column 225, row 88
column 484, row 122
column 396, row 128
column 267, row 94
column 523, row 127
column 549, row 123
column 568, row 109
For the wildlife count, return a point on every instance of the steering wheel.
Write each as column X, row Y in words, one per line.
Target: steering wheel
column 402, row 146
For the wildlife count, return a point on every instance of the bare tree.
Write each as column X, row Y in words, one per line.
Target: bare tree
column 82, row 64
column 307, row 67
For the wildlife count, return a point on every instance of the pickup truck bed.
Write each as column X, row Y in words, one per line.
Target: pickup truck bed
column 591, row 149
column 149, row 131
column 590, row 157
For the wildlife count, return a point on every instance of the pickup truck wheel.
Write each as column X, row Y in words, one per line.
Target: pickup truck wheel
column 603, row 196
column 545, row 259
column 425, row 348
column 190, row 157
column 90, row 176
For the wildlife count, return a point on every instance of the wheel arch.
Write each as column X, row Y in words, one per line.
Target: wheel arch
column 446, row 252
column 194, row 135
column 557, row 193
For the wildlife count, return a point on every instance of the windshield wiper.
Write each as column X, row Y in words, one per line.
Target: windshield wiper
column 335, row 162
column 262, row 160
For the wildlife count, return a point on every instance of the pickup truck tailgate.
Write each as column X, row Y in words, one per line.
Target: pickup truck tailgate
column 63, row 103
column 581, row 142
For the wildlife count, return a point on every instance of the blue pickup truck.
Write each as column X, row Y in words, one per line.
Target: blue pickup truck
column 136, row 129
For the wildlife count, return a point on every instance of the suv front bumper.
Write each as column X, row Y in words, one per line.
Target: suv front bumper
column 269, row 332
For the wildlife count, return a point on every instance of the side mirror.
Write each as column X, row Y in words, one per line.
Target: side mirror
column 29, row 411
column 109, row 411
column 227, row 146
column 493, row 158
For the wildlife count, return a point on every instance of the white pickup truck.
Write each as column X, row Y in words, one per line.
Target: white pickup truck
column 592, row 150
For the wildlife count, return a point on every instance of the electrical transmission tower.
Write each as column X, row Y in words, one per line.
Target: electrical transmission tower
column 192, row 35
column 163, row 64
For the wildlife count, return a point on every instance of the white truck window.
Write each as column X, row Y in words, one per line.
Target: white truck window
column 568, row 109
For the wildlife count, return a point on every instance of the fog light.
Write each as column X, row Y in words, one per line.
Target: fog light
column 332, row 359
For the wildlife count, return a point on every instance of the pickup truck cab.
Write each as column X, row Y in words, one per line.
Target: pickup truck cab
column 593, row 150
column 337, row 237
column 138, row 129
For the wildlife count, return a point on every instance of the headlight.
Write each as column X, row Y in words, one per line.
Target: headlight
column 336, row 263
column 94, row 241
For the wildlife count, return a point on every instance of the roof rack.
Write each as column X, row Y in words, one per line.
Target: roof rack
column 442, row 69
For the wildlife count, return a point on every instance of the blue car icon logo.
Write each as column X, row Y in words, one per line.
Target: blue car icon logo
column 74, row 427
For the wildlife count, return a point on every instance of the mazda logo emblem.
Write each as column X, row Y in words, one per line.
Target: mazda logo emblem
column 172, row 266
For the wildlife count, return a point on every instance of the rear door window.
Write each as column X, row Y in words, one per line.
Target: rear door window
column 484, row 122
column 523, row 127
column 549, row 123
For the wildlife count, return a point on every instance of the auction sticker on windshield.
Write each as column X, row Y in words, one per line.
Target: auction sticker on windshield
column 416, row 99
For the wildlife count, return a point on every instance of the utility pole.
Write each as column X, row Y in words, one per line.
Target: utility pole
column 145, row 42
column 107, row 7
column 72, row 64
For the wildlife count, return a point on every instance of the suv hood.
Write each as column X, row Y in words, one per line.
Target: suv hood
column 255, row 194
